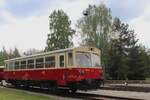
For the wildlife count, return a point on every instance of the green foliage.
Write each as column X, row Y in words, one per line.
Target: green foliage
column 128, row 60
column 16, row 53
column 60, row 31
column 138, row 63
column 95, row 29
column 121, row 54
column 4, row 55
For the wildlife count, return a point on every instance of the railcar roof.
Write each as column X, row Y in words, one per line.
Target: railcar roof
column 40, row 54
column 46, row 53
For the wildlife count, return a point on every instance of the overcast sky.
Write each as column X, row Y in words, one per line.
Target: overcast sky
column 24, row 23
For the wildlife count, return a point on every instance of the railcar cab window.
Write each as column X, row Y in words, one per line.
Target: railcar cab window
column 30, row 64
column 83, row 59
column 50, row 61
column 39, row 62
column 23, row 64
column 95, row 60
column 17, row 65
column 87, row 59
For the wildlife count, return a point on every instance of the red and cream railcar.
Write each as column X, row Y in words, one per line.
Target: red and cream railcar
column 1, row 73
column 74, row 68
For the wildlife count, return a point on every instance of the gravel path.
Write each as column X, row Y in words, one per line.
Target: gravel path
column 136, row 95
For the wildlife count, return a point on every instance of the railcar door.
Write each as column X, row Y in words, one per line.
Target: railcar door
column 62, row 60
column 62, row 70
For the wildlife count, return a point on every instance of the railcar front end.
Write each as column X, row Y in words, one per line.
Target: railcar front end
column 88, row 72
column 84, row 78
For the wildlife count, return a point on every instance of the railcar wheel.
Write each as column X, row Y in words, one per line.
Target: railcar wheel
column 26, row 85
column 72, row 87
column 52, row 87
column 73, row 90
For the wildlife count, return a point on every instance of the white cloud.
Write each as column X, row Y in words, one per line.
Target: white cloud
column 141, row 26
column 24, row 33
column 31, row 32
column 74, row 8
column 2, row 3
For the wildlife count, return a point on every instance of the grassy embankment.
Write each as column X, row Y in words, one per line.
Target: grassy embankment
column 10, row 94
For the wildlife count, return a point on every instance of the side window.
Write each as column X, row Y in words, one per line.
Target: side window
column 17, row 65
column 39, row 62
column 50, row 61
column 6, row 66
column 23, row 64
column 11, row 66
column 70, row 59
column 30, row 64
column 61, row 60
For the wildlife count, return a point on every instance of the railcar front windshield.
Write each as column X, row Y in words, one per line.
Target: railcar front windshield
column 84, row 59
column 95, row 60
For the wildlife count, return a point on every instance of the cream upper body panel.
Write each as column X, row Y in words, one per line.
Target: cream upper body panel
column 68, row 62
column 81, row 49
column 88, row 49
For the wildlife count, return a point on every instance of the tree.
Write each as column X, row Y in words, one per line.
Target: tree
column 148, row 60
column 127, row 59
column 10, row 54
column 32, row 51
column 95, row 29
column 60, row 31
column 121, row 43
column 138, row 63
column 16, row 53
column 123, row 40
column 3, row 56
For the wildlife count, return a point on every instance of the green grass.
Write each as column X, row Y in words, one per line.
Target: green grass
column 10, row 94
column 148, row 78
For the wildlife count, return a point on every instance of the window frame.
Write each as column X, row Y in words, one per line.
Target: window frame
column 69, row 59
column 33, row 67
column 61, row 54
column 47, row 56
column 16, row 67
column 6, row 66
column 25, row 60
column 82, row 52
column 43, row 62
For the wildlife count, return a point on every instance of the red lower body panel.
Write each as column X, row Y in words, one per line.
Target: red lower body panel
column 1, row 74
column 61, row 76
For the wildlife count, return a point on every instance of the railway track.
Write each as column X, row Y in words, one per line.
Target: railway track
column 64, row 94
column 127, row 88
